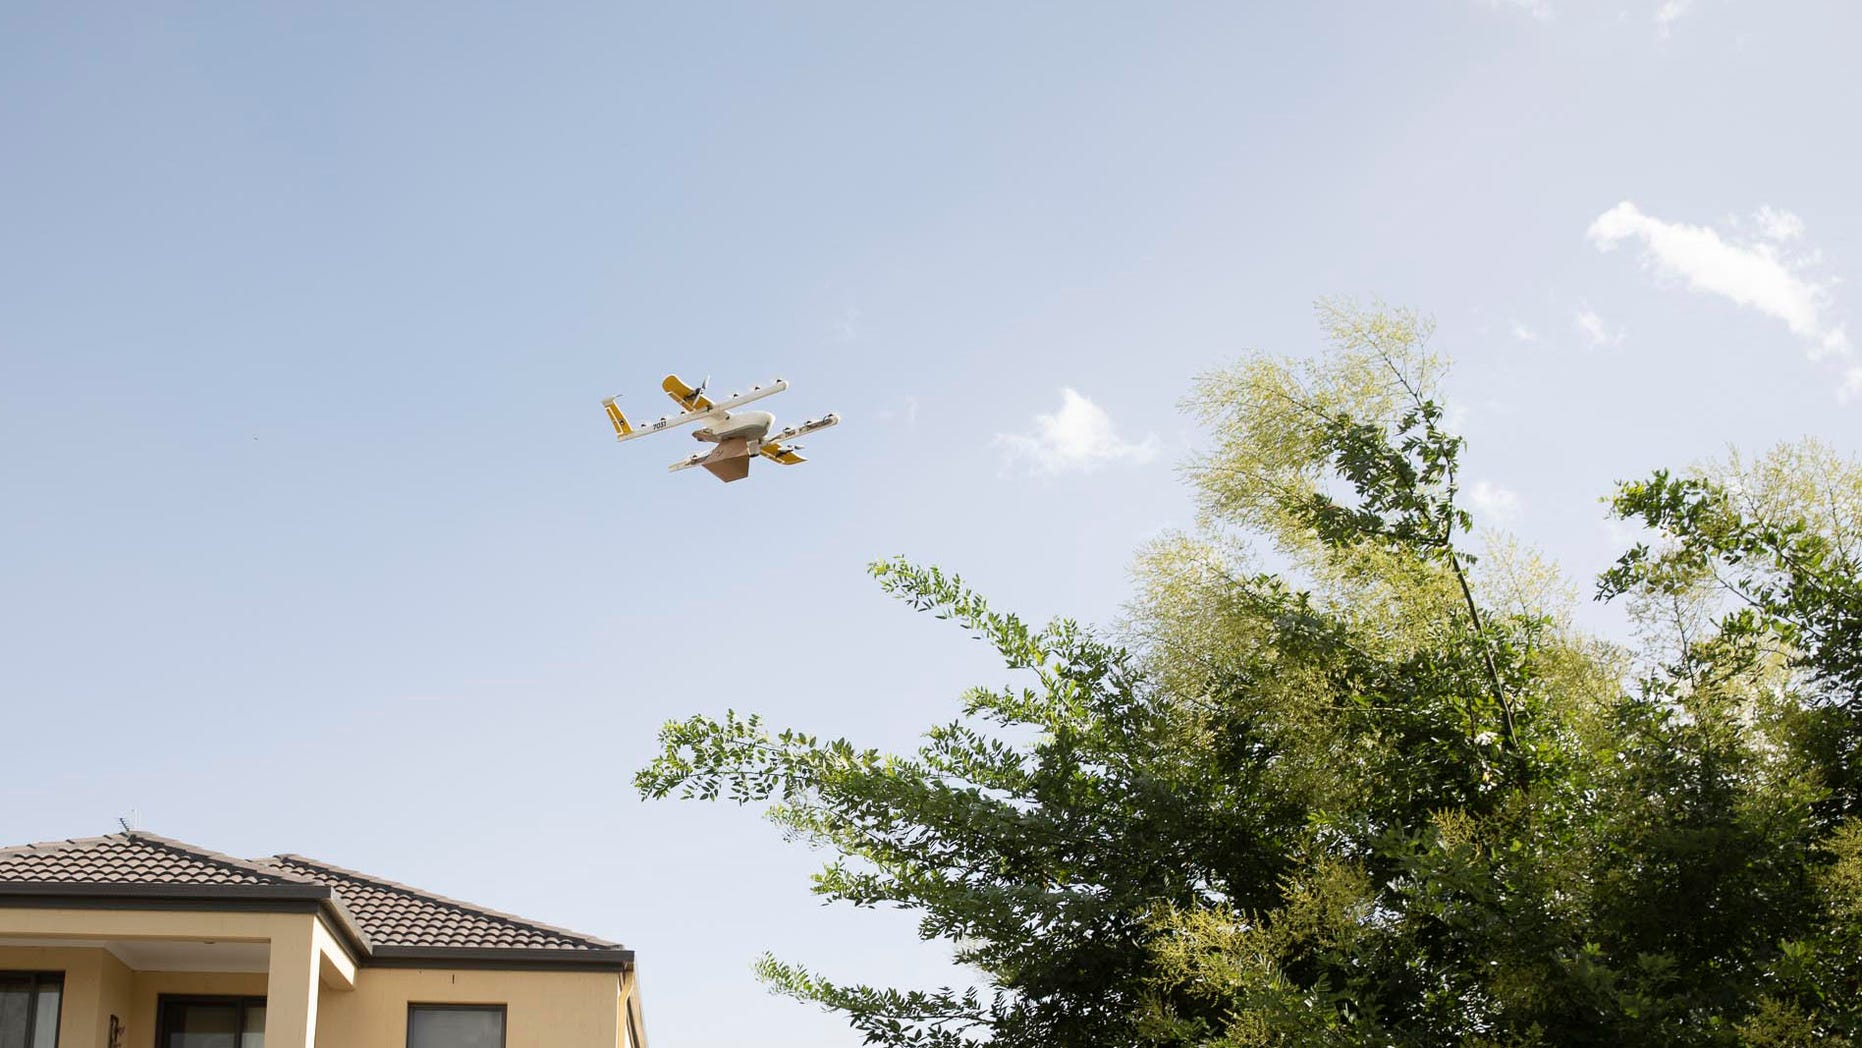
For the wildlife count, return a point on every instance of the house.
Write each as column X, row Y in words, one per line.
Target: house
column 137, row 941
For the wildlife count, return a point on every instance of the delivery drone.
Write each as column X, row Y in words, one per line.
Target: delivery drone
column 739, row 435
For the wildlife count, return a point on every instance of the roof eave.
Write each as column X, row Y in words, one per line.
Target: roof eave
column 139, row 890
column 503, row 958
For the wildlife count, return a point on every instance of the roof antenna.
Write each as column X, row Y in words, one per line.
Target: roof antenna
column 129, row 824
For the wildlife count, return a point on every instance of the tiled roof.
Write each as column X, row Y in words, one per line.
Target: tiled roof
column 394, row 915
column 391, row 917
column 132, row 858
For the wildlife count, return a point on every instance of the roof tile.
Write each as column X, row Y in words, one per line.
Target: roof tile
column 391, row 915
column 131, row 858
column 395, row 915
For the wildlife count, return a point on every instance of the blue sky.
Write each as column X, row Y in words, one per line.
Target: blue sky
column 314, row 538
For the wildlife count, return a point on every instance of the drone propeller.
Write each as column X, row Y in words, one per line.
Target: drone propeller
column 702, row 386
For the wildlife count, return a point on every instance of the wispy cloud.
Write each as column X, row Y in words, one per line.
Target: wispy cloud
column 1754, row 274
column 1778, row 224
column 1524, row 334
column 1539, row 9
column 1078, row 438
column 1752, row 271
column 1493, row 503
column 1669, row 13
column 1665, row 12
column 1596, row 330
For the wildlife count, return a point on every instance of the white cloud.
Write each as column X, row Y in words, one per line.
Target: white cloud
column 1753, row 273
column 1778, row 224
column 1594, row 328
column 1524, row 333
column 1670, row 12
column 1539, row 9
column 1621, row 535
column 1078, row 438
column 1456, row 421
column 1665, row 12
column 1495, row 504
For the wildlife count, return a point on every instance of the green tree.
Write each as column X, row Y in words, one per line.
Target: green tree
column 1383, row 793
column 1429, row 715
column 1758, row 570
column 1035, row 832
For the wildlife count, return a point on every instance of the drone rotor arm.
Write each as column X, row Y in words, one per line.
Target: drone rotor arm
column 810, row 426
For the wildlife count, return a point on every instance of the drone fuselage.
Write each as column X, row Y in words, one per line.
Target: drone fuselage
column 739, row 435
column 734, row 425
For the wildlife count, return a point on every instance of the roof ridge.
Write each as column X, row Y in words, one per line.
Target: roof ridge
column 456, row 904
column 156, row 840
column 47, row 847
column 194, row 851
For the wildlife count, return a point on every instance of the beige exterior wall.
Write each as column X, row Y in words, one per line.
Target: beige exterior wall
column 542, row 1009
column 78, row 1019
column 312, row 983
column 116, row 995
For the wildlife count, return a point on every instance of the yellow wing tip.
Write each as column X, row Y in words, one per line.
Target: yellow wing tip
column 621, row 428
column 688, row 398
column 775, row 453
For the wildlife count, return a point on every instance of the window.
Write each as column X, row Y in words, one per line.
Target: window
column 29, row 1009
column 211, row 1022
column 455, row 1026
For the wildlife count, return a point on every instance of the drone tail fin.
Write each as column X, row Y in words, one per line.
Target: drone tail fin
column 622, row 430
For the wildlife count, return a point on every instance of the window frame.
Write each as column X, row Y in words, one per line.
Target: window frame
column 241, row 1001
column 504, row 1016
column 40, row 980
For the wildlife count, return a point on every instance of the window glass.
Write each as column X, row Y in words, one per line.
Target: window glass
column 29, row 1009
column 254, row 1034
column 45, row 1030
column 219, row 1022
column 455, row 1026
column 202, row 1026
column 15, row 1010
column 15, row 1004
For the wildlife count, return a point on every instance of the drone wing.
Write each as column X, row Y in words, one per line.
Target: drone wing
column 813, row 424
column 776, row 447
column 625, row 430
column 689, row 399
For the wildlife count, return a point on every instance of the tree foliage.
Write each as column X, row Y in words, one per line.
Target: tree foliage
column 1338, row 780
